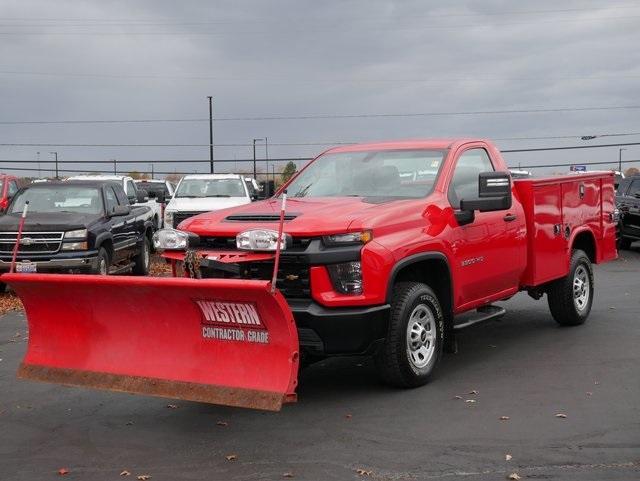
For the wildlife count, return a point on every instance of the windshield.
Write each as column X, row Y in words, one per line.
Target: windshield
column 211, row 188
column 154, row 188
column 81, row 200
column 386, row 173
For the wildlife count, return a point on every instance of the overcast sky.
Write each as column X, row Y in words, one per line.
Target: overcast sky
column 160, row 59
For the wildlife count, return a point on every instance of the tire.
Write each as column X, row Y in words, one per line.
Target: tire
column 415, row 316
column 571, row 297
column 104, row 262
column 142, row 259
column 624, row 243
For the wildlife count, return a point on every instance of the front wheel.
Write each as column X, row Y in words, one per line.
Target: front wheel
column 414, row 342
column 571, row 297
column 102, row 267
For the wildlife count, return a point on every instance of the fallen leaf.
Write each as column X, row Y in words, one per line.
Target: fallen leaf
column 504, row 418
column 63, row 471
column 348, row 416
column 231, row 457
column 561, row 415
column 125, row 473
column 514, row 476
column 172, row 406
column 143, row 477
column 222, row 423
column 457, row 397
column 508, row 457
column 469, row 400
column 474, row 392
column 287, row 475
column 364, row 472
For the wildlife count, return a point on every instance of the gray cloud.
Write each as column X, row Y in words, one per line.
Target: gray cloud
column 301, row 57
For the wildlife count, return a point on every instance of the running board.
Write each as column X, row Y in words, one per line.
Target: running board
column 119, row 269
column 484, row 313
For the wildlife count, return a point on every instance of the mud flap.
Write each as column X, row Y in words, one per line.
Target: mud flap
column 220, row 341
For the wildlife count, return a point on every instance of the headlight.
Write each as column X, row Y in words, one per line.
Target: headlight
column 168, row 218
column 346, row 277
column 349, row 238
column 260, row 240
column 76, row 234
column 75, row 246
column 172, row 239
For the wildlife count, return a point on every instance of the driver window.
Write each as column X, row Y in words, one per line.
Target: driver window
column 13, row 188
column 110, row 200
column 131, row 189
column 464, row 183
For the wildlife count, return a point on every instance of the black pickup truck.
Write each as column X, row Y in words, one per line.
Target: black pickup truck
column 77, row 227
column 628, row 202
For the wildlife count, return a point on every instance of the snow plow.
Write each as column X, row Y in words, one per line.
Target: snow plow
column 222, row 341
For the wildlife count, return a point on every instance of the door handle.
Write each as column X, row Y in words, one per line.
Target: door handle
column 509, row 217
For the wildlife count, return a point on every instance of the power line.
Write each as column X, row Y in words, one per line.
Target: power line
column 209, row 33
column 331, row 116
column 289, row 19
column 544, row 149
column 151, row 161
column 289, row 144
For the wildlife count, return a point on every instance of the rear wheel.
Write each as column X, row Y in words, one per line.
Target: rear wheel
column 142, row 259
column 414, row 342
column 571, row 297
column 103, row 263
column 624, row 243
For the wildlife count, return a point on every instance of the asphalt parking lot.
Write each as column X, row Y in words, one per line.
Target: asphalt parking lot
column 348, row 426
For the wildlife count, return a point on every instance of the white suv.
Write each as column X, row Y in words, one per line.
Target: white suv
column 199, row 193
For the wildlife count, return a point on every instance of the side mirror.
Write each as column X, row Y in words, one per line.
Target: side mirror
column 142, row 196
column 494, row 193
column 121, row 210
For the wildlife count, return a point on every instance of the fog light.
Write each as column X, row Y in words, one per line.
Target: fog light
column 74, row 246
column 346, row 277
column 260, row 240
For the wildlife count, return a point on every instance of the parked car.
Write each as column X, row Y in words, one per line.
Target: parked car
column 8, row 188
column 77, row 227
column 200, row 193
column 160, row 190
column 628, row 202
column 135, row 195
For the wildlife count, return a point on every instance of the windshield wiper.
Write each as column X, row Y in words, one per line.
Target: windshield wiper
column 218, row 195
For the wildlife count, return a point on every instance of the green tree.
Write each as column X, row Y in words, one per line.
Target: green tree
column 288, row 171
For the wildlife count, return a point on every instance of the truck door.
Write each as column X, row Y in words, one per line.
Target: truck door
column 489, row 253
column 125, row 228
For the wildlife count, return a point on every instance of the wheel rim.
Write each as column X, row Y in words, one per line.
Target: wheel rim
column 581, row 288
column 103, row 267
column 421, row 336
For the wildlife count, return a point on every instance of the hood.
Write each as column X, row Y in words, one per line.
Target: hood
column 56, row 221
column 305, row 216
column 205, row 204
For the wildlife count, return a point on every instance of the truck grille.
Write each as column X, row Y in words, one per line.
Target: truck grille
column 229, row 243
column 180, row 216
column 31, row 242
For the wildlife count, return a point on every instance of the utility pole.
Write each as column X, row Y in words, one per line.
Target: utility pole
column 56, row 155
column 620, row 158
column 255, row 175
column 38, row 157
column 152, row 176
column 115, row 167
column 211, row 133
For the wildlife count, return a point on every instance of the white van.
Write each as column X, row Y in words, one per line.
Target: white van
column 199, row 193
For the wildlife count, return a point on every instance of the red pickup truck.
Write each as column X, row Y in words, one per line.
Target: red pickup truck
column 388, row 248
column 388, row 243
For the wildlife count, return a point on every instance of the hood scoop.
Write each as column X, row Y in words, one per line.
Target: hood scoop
column 259, row 217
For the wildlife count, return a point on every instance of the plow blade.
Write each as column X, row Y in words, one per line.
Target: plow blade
column 220, row 341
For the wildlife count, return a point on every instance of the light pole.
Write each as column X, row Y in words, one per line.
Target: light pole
column 211, row 133
column 620, row 158
column 56, row 156
column 115, row 167
column 255, row 175
column 38, row 158
column 152, row 175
